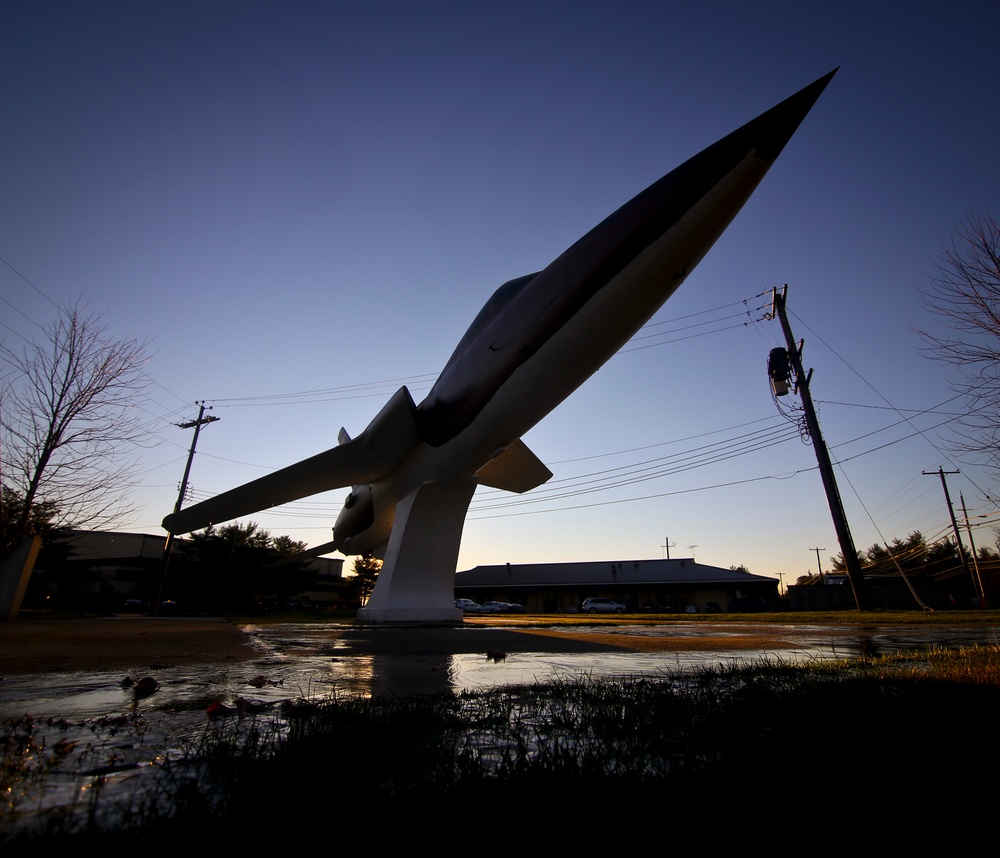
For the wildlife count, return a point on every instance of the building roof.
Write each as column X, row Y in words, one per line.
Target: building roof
column 106, row 545
column 111, row 545
column 680, row 571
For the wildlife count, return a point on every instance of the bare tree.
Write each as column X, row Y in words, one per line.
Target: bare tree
column 965, row 296
column 70, row 420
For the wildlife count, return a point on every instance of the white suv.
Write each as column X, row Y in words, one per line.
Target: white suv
column 593, row 606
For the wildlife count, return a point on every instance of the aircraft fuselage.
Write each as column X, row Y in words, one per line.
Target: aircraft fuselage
column 539, row 337
column 415, row 468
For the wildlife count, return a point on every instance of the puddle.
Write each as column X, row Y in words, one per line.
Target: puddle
column 80, row 734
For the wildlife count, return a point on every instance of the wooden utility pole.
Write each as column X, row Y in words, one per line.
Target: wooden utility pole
column 975, row 560
column 954, row 526
column 168, row 548
column 851, row 562
column 819, row 562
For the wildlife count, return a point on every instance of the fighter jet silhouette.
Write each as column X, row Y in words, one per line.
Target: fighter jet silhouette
column 414, row 469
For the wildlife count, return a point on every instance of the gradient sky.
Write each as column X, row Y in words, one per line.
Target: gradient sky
column 303, row 205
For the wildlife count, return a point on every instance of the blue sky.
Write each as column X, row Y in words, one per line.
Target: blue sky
column 303, row 205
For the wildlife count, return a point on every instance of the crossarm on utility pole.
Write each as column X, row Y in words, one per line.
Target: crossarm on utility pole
column 169, row 546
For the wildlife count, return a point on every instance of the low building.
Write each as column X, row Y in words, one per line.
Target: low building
column 643, row 585
column 105, row 569
column 97, row 568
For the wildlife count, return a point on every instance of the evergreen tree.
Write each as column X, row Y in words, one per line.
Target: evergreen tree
column 366, row 569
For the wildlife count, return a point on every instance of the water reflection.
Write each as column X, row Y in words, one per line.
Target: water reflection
column 317, row 657
column 315, row 661
column 120, row 736
column 875, row 641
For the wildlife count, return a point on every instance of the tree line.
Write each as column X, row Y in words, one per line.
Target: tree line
column 945, row 564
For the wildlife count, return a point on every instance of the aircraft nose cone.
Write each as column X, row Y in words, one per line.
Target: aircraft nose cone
column 775, row 127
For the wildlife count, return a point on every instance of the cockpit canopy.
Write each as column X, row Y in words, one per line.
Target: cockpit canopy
column 497, row 301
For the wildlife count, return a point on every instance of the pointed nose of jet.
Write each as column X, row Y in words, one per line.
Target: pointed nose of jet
column 772, row 129
column 764, row 137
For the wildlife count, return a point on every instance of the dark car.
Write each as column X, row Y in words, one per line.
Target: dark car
column 713, row 608
column 497, row 607
column 593, row 606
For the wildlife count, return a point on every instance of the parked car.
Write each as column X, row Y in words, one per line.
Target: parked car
column 134, row 605
column 593, row 606
column 713, row 608
column 493, row 608
column 468, row 606
column 504, row 607
column 691, row 609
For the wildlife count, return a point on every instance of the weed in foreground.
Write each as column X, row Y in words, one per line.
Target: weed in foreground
column 681, row 742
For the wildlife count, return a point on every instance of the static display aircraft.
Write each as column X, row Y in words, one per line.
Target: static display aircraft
column 414, row 469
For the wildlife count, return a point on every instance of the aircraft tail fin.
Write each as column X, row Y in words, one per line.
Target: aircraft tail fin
column 516, row 469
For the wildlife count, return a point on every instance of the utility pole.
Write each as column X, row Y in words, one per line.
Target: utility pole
column 954, row 524
column 818, row 562
column 794, row 353
column 168, row 548
column 975, row 560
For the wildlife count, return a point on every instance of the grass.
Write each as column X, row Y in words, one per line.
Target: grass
column 852, row 618
column 681, row 751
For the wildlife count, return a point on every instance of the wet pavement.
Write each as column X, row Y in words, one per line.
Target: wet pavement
column 318, row 660
column 101, row 731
